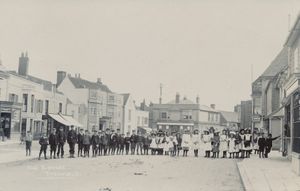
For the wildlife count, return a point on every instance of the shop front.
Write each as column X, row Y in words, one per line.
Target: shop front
column 10, row 113
column 291, row 127
column 175, row 126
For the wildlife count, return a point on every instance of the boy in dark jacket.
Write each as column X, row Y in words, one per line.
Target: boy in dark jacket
column 105, row 141
column 44, row 144
column 146, row 143
column 53, row 141
column 133, row 141
column 80, row 142
column 100, row 146
column 268, row 144
column 261, row 145
column 95, row 142
column 72, row 139
column 61, row 136
column 121, row 144
column 127, row 142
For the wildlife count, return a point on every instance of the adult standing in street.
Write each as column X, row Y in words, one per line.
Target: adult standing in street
column 28, row 143
column 61, row 137
column 127, row 143
column 72, row 139
column 261, row 145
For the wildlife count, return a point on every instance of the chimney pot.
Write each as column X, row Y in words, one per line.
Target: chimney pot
column 213, row 106
column 177, row 98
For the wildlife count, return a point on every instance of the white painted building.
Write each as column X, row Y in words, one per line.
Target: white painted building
column 133, row 117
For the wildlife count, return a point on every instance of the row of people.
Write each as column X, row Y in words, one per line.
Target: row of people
column 235, row 144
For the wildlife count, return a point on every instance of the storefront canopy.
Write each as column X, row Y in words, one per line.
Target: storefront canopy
column 65, row 120
column 72, row 121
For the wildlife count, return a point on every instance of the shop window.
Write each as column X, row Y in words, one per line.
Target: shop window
column 296, row 128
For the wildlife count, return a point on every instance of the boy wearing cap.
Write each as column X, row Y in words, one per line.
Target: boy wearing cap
column 53, row 141
column 44, row 144
column 86, row 143
column 139, row 143
column 80, row 142
column 127, row 142
column 95, row 142
column 133, row 141
column 72, row 139
column 61, row 136
column 28, row 141
column 100, row 146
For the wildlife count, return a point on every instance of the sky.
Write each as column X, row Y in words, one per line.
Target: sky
column 203, row 47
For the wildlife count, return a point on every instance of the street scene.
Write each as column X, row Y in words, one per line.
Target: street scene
column 149, row 95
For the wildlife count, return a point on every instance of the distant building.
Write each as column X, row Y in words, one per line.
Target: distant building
column 134, row 117
column 99, row 107
column 246, row 114
column 27, row 101
column 183, row 114
column 230, row 120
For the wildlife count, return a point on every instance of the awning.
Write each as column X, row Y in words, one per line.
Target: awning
column 278, row 113
column 71, row 120
column 60, row 119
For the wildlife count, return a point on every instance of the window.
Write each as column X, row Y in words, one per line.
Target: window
column 32, row 103
column 13, row 97
column 146, row 121
column 111, row 98
column 39, row 106
column 138, row 122
column 164, row 115
column 25, row 102
column 46, row 106
column 208, row 116
column 60, row 107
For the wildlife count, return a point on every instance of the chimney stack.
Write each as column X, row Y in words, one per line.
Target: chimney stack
column 60, row 76
column 197, row 99
column 99, row 81
column 177, row 98
column 23, row 64
column 213, row 106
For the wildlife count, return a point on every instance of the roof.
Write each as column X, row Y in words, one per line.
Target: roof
column 182, row 101
column 126, row 97
column 294, row 33
column 47, row 85
column 279, row 63
column 230, row 116
column 82, row 83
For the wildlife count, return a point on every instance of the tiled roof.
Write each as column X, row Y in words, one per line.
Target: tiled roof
column 82, row 83
column 277, row 64
column 230, row 116
column 46, row 84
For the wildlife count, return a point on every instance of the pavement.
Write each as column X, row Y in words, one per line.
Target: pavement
column 13, row 151
column 273, row 173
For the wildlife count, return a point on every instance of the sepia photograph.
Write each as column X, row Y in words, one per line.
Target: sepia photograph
column 149, row 95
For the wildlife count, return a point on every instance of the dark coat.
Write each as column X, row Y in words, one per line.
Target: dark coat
column 133, row 139
column 95, row 140
column 61, row 137
column 43, row 140
column 261, row 142
column 147, row 141
column 53, row 140
column 105, row 139
column 80, row 139
column 127, row 140
column 86, row 139
column 72, row 137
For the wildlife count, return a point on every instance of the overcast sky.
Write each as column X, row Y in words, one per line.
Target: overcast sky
column 191, row 47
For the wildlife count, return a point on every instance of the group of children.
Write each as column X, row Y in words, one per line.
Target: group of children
column 232, row 144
